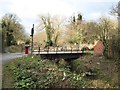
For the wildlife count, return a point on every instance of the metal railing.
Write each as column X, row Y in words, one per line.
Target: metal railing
column 58, row 49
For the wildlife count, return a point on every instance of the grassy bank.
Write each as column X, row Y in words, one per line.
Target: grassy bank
column 7, row 77
column 100, row 71
column 87, row 72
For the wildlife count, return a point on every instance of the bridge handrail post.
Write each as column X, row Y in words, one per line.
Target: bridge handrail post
column 78, row 49
column 39, row 50
column 82, row 51
column 56, row 49
column 71, row 49
column 47, row 49
column 65, row 48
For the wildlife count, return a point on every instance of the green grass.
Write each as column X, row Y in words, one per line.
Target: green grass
column 7, row 77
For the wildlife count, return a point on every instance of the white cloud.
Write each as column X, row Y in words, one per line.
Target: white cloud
column 28, row 10
column 98, row 15
column 95, row 15
column 31, row 8
column 97, row 0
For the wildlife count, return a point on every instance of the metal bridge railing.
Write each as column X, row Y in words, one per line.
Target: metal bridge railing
column 57, row 49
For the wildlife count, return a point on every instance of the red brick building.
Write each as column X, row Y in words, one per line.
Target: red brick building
column 98, row 48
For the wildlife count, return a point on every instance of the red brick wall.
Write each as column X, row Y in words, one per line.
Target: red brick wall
column 98, row 48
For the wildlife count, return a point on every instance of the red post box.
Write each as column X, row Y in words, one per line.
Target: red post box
column 26, row 49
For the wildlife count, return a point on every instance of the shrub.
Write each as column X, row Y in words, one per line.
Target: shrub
column 83, row 66
column 78, row 66
column 62, row 63
column 31, row 72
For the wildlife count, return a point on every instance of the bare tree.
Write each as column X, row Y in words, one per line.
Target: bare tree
column 75, row 30
column 108, row 32
column 52, row 26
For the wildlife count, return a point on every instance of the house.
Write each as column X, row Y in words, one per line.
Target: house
column 98, row 48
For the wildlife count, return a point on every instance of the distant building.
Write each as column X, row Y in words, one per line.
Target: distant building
column 98, row 48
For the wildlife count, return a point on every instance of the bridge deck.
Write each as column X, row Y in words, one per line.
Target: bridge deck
column 61, row 54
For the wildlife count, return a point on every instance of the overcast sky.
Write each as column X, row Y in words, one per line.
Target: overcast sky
column 28, row 10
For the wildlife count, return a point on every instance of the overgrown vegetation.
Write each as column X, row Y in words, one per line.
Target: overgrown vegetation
column 99, row 71
column 32, row 72
column 85, row 72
